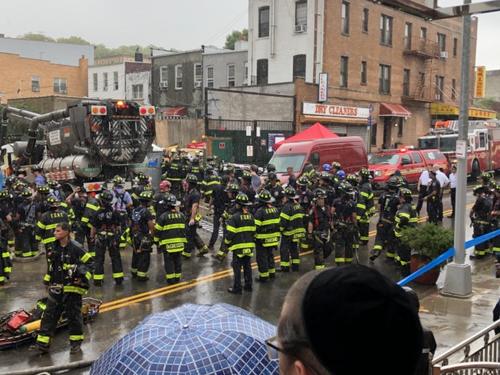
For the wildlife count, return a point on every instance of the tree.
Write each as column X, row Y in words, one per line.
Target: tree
column 73, row 40
column 39, row 37
column 234, row 37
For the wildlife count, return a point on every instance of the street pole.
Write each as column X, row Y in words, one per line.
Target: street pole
column 458, row 280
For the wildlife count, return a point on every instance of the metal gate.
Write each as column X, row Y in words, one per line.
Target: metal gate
column 251, row 140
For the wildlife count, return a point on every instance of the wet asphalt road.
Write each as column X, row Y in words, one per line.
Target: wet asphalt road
column 205, row 282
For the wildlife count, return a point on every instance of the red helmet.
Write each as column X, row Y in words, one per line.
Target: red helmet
column 164, row 185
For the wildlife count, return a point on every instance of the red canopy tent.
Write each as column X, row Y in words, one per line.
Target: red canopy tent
column 317, row 131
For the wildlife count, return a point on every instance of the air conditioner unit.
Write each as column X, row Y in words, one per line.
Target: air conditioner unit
column 302, row 28
column 197, row 84
column 164, row 85
column 444, row 54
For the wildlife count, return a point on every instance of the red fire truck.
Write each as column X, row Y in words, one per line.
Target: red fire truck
column 483, row 144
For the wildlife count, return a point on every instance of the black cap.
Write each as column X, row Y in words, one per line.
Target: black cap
column 360, row 322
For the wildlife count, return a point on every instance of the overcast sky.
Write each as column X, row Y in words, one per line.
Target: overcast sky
column 180, row 24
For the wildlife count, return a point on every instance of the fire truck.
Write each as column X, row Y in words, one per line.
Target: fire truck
column 483, row 144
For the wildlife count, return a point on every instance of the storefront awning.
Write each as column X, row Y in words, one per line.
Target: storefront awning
column 393, row 110
column 175, row 111
column 340, row 120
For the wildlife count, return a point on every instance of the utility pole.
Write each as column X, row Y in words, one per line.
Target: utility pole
column 458, row 280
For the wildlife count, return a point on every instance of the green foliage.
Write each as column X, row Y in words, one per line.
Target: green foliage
column 235, row 36
column 488, row 103
column 37, row 37
column 428, row 239
column 73, row 40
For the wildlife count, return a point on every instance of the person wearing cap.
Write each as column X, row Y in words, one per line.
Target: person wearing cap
column 319, row 229
column 292, row 231
column 275, row 189
column 345, row 224
column 306, row 198
column 174, row 173
column 122, row 200
column 365, row 207
column 323, row 328
column 159, row 199
column 495, row 224
column 218, row 200
column 406, row 217
column 240, row 240
column 170, row 234
column 433, row 199
column 230, row 208
column 453, row 189
column 480, row 218
column 246, row 185
column 191, row 211
column 23, row 224
column 267, row 236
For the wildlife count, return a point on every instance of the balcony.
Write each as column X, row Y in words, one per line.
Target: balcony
column 422, row 48
column 421, row 93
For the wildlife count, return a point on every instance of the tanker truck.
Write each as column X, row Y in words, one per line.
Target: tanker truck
column 90, row 140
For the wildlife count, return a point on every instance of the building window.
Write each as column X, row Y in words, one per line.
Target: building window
column 95, row 79
column 301, row 16
column 386, row 30
column 364, row 73
column 105, row 81
column 421, row 82
column 164, row 76
column 262, row 71
column 198, row 75
column 263, row 22
column 440, row 88
column 210, row 77
column 373, row 134
column 115, row 81
column 231, row 75
column 423, row 33
column 345, row 17
column 60, row 86
column 246, row 73
column 453, row 89
column 455, row 47
column 178, row 77
column 441, row 38
column 384, row 87
column 400, row 130
column 35, row 84
column 408, row 35
column 364, row 20
column 344, row 71
column 406, row 82
column 137, row 91
column 299, row 66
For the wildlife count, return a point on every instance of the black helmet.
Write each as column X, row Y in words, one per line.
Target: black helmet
column 337, row 165
column 393, row 183
column 265, row 196
column 4, row 194
column 271, row 168
column 106, row 197
column 171, row 201
column 290, row 193
column 479, row 189
column 352, row 179
column 232, row 188
column 486, row 176
column 53, row 184
column 192, row 179
column 246, row 176
column 319, row 193
column 364, row 173
column 146, row 196
column 53, row 202
column 346, row 188
column 118, row 180
column 43, row 189
column 303, row 181
column 26, row 193
column 325, row 176
column 142, row 178
column 272, row 176
column 242, row 199
column 406, row 194
column 195, row 160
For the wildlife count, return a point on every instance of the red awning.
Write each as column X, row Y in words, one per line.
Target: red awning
column 175, row 111
column 197, row 145
column 393, row 110
column 317, row 131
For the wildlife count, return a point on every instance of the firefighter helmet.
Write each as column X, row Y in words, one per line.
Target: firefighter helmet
column 393, row 183
column 364, row 173
column 325, row 176
column 53, row 202
column 53, row 184
column 106, row 197
column 4, row 194
column 319, row 193
column 345, row 188
column 246, row 176
column 265, row 196
column 232, row 188
column 146, row 196
column 271, row 168
column 406, row 194
column 242, row 199
column 171, row 201
column 336, row 165
column 43, row 189
column 340, row 175
column 118, row 180
column 272, row 176
column 26, row 193
column 303, row 181
column 142, row 178
column 192, row 179
column 326, row 167
column 291, row 193
column 479, row 189
column 352, row 179
column 164, row 185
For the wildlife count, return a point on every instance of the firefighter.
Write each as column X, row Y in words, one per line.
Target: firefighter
column 196, row 168
column 230, row 209
column 267, row 236
column 122, row 200
column 218, row 200
column 141, row 182
column 365, row 208
column 345, row 224
column 91, row 208
column 406, row 217
column 495, row 223
column 275, row 189
column 23, row 224
column 105, row 233
column 170, row 234
column 6, row 215
column 56, row 191
column 240, row 239
column 5, row 260
column 70, row 270
column 246, row 185
column 207, row 185
column 160, row 198
column 306, row 198
column 174, row 174
column 480, row 218
column 292, row 229
column 389, row 202
column 193, row 217
column 319, row 229
column 325, row 183
column 434, row 199
column 77, row 200
column 140, row 236
column 40, row 199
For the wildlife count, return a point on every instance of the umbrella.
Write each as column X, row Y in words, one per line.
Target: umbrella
column 193, row 339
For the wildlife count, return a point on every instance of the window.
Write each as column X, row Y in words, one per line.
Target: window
column 364, row 73
column 35, row 84
column 405, row 159
column 364, row 20
column 198, row 75
column 301, row 16
column 231, row 80
column 453, row 89
column 95, row 79
column 482, row 140
column 246, row 73
column 421, row 79
column 400, row 134
column 423, row 33
column 408, row 35
column 210, row 76
column 263, row 22
column 344, row 71
column 105, row 81
column 262, row 72
column 441, row 38
column 178, row 77
column 417, row 159
column 455, row 47
column 164, row 75
column 299, row 66
column 386, row 30
column 373, row 134
column 60, row 86
column 406, row 82
column 439, row 88
column 115, row 81
column 384, row 79
column 137, row 91
column 345, row 17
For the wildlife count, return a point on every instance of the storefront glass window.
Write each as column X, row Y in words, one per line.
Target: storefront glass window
column 282, row 162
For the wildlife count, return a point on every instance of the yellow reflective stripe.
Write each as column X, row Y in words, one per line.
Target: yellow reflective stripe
column 6, row 255
column 75, row 337
column 92, row 207
column 51, row 226
column 258, row 222
column 158, row 227
column 74, row 289
column 85, row 219
column 267, row 235
column 98, row 277
column 244, row 245
column 271, row 221
column 361, row 205
column 46, row 277
column 174, row 226
column 293, row 217
column 85, row 257
column 43, row 339
column 173, row 240
column 88, row 275
column 40, row 225
column 212, row 183
column 294, row 231
column 404, row 214
column 117, row 275
column 367, row 195
column 48, row 240
column 285, row 216
column 248, row 228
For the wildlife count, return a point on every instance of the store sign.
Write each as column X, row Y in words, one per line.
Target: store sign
column 325, row 110
column 480, row 87
column 323, row 87
column 439, row 109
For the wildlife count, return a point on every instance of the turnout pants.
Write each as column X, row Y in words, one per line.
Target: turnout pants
column 25, row 243
column 265, row 261
column 141, row 257
column 173, row 266
column 238, row 263
column 193, row 240
column 364, row 229
column 289, row 254
column 71, row 305
column 322, row 248
column 434, row 209
column 5, row 262
column 403, row 255
column 384, row 239
column 344, row 241
column 109, row 244
column 421, row 196
column 481, row 227
column 82, row 233
column 216, row 225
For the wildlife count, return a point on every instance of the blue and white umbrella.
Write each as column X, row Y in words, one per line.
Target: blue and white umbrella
column 193, row 339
